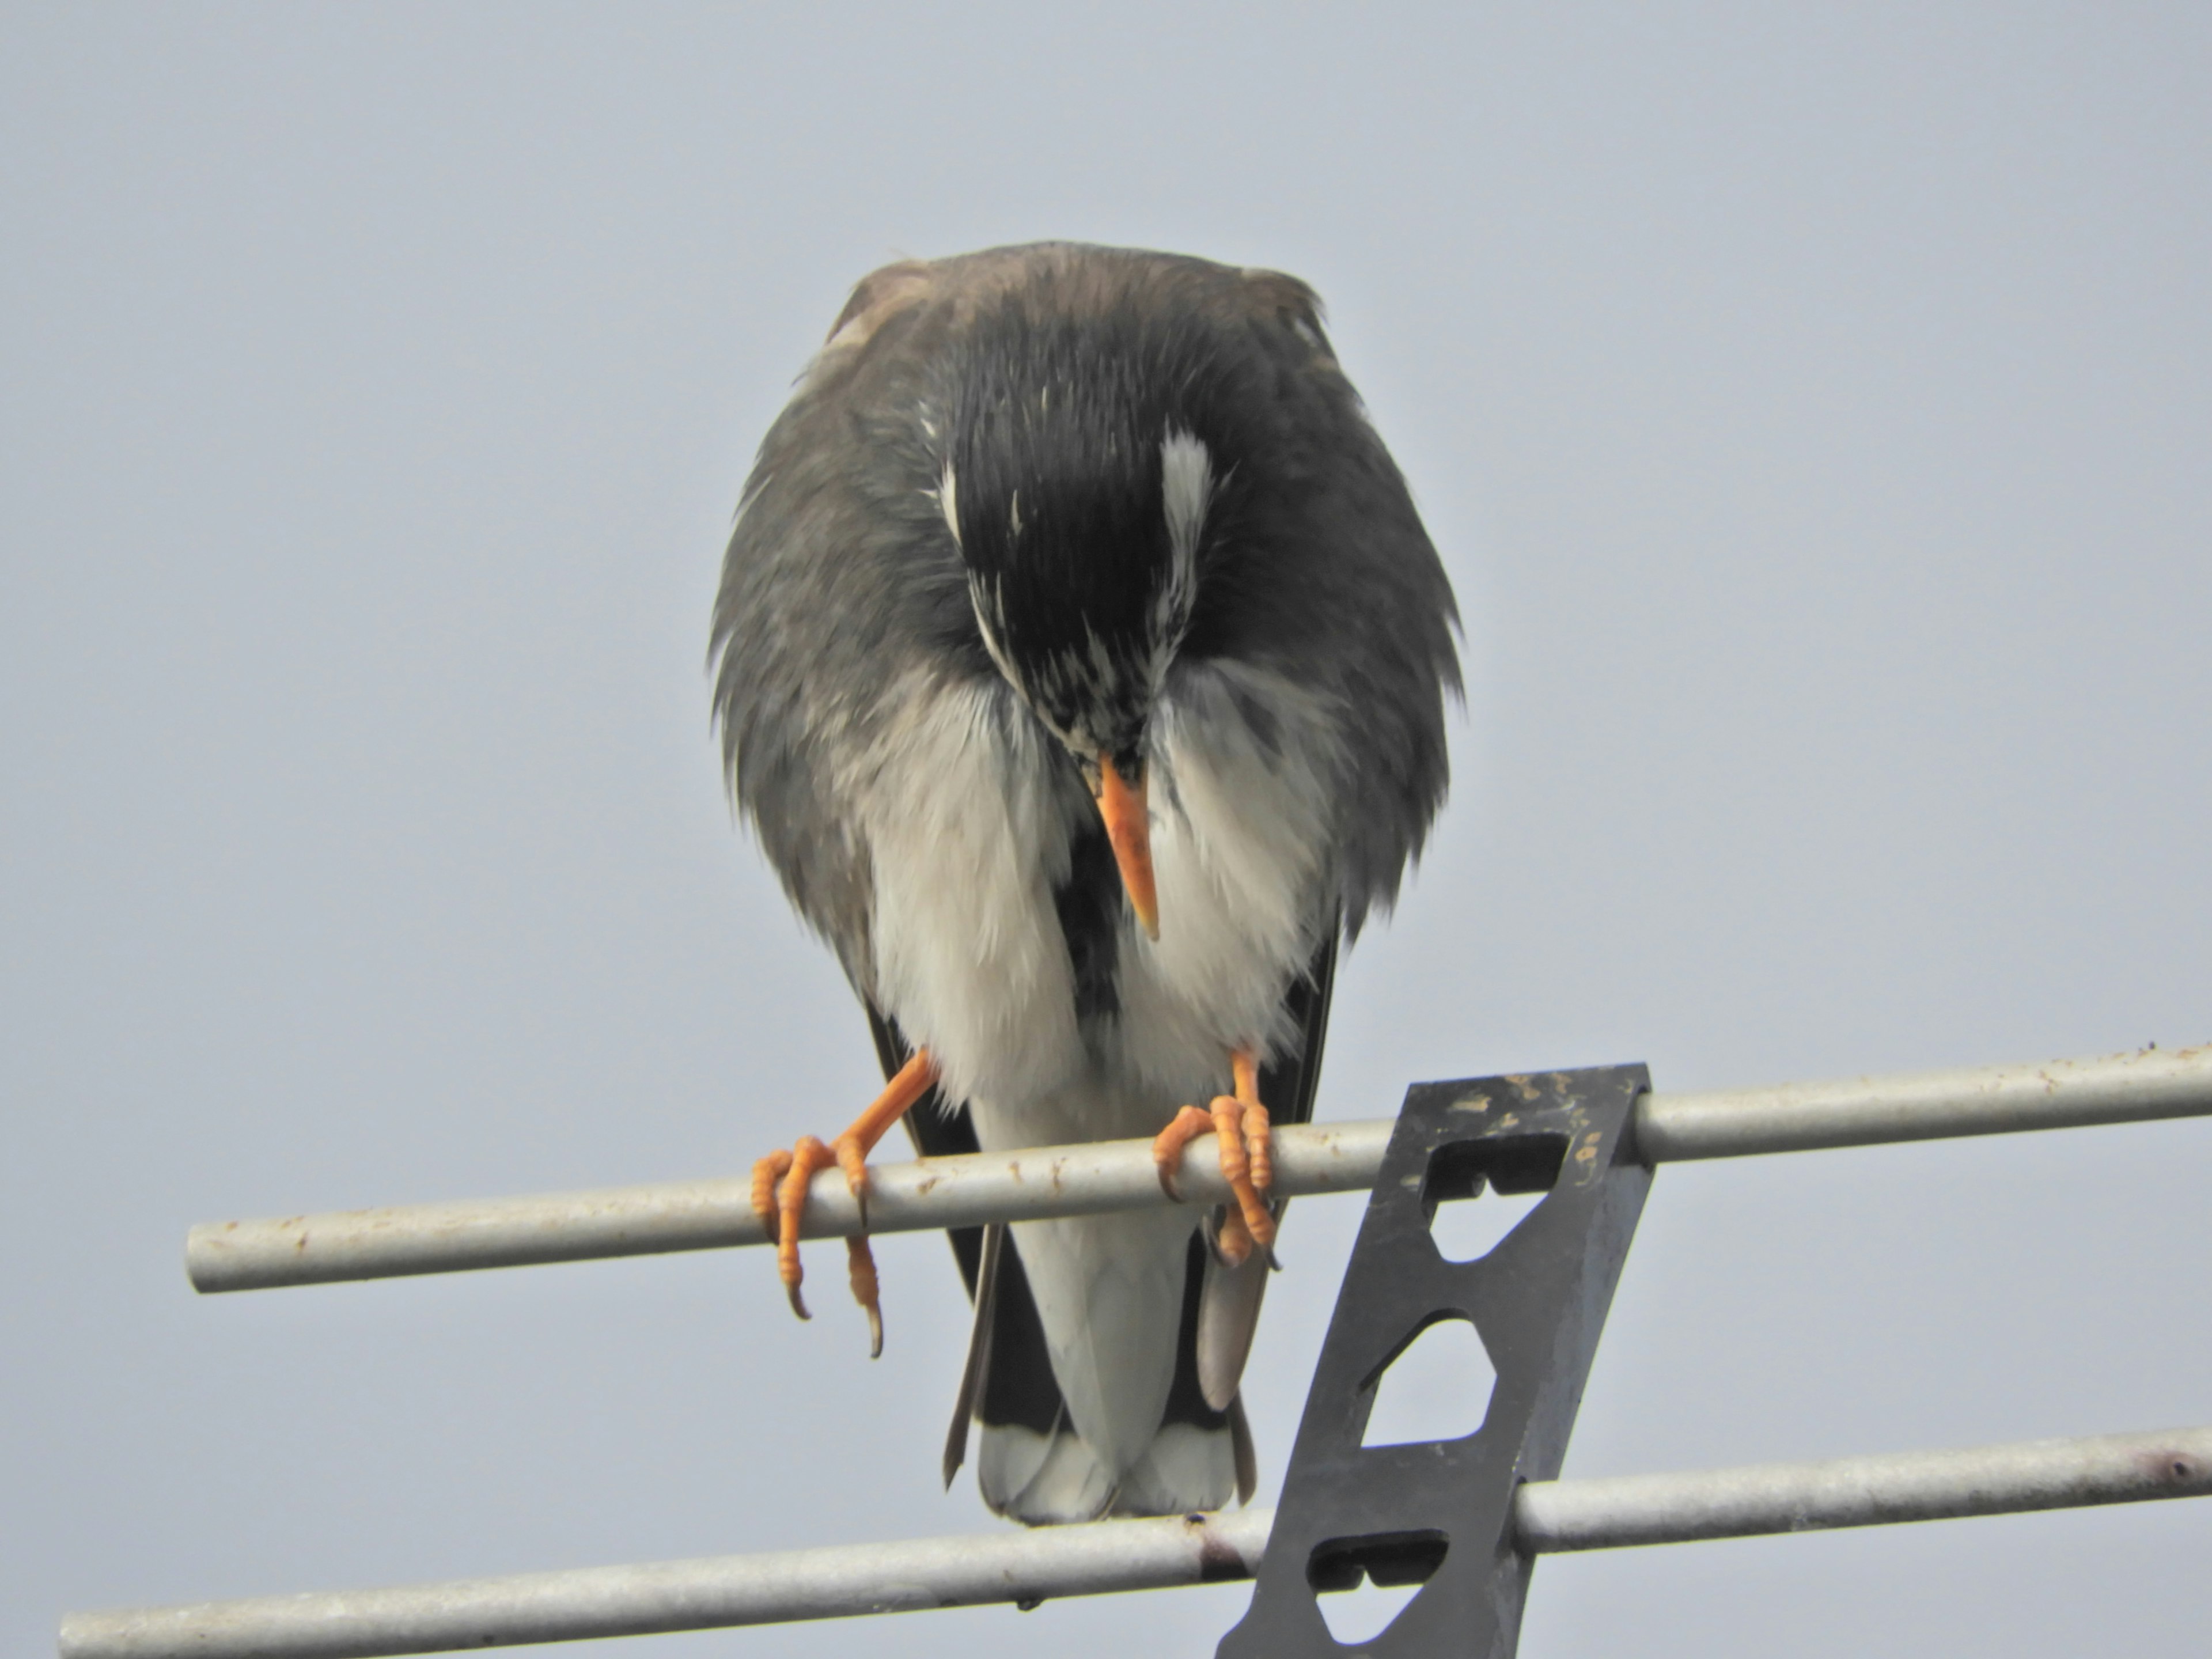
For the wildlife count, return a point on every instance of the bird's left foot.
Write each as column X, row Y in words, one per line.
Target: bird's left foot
column 780, row 1181
column 1240, row 1125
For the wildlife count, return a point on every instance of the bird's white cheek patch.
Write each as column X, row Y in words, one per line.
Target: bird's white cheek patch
column 1186, row 493
column 968, row 958
column 948, row 501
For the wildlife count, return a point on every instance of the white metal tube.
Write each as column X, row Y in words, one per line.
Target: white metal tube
column 700, row 1215
column 710, row 1593
column 1128, row 1555
column 1982, row 1100
column 1557, row 1515
column 958, row 1192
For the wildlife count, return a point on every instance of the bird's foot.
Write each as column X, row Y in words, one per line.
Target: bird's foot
column 780, row 1181
column 1240, row 1126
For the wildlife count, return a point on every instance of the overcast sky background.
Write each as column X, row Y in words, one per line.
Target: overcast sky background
column 1813, row 406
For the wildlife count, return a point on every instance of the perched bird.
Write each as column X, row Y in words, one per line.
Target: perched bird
column 1080, row 665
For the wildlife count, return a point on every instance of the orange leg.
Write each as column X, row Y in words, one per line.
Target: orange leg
column 1241, row 1128
column 780, row 1181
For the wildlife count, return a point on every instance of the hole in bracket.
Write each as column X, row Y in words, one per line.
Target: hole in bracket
column 1516, row 1171
column 1387, row 1558
column 1438, row 1387
column 1506, row 1164
column 1367, row 1580
column 1467, row 1232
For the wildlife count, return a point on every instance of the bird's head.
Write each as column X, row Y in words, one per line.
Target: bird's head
column 1079, row 499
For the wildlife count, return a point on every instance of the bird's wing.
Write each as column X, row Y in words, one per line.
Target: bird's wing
column 1289, row 1084
column 1229, row 1304
column 840, row 583
column 1351, row 603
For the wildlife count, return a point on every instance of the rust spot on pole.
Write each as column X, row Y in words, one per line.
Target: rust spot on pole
column 2174, row 1466
column 1219, row 1560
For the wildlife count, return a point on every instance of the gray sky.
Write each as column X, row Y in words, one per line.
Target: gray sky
column 1813, row 404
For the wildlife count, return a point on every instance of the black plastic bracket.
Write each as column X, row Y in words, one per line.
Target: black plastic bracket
column 1439, row 1514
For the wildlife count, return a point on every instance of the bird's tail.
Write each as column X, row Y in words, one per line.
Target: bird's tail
column 1034, row 1466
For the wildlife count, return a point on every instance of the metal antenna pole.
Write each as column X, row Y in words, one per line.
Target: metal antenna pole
column 1441, row 1514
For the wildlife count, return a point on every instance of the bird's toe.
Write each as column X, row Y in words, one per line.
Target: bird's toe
column 1168, row 1146
column 780, row 1182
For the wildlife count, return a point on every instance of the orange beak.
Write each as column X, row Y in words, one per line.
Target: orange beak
column 1129, row 828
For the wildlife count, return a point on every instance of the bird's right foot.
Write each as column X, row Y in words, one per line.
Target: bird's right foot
column 780, row 1181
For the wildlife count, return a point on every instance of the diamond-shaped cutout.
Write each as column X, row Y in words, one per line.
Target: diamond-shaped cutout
column 1363, row 1583
column 1510, row 1174
column 1435, row 1388
column 1465, row 1231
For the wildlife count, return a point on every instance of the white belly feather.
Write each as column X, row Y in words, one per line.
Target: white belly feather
column 968, row 839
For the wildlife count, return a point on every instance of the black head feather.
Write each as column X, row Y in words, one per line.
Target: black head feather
column 1084, row 452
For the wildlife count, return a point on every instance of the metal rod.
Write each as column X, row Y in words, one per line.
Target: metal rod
column 702, row 1215
column 1758, row 1498
column 709, row 1594
column 1982, row 1100
column 1050, row 1181
column 1128, row 1555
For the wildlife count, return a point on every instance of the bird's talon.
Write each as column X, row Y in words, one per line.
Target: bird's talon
column 1244, row 1123
column 1209, row 1232
column 1167, row 1147
column 853, row 1159
column 1259, row 1145
column 857, row 1184
column 767, row 1173
column 1232, row 1242
column 860, row 1269
column 1260, row 1224
column 1230, row 1117
column 782, row 1179
column 1240, row 1127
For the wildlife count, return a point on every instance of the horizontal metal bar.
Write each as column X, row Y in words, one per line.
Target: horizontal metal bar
column 704, row 1215
column 1557, row 1515
column 1127, row 1555
column 710, row 1593
column 1981, row 1100
column 1050, row 1181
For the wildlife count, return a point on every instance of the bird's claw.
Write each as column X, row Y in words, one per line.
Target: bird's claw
column 1241, row 1127
column 861, row 1270
column 1228, row 1242
column 1167, row 1147
column 853, row 1159
column 780, row 1182
column 767, row 1173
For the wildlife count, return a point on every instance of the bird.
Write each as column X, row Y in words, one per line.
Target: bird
column 1081, row 663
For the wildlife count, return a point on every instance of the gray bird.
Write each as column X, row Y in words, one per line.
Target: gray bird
column 1081, row 664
